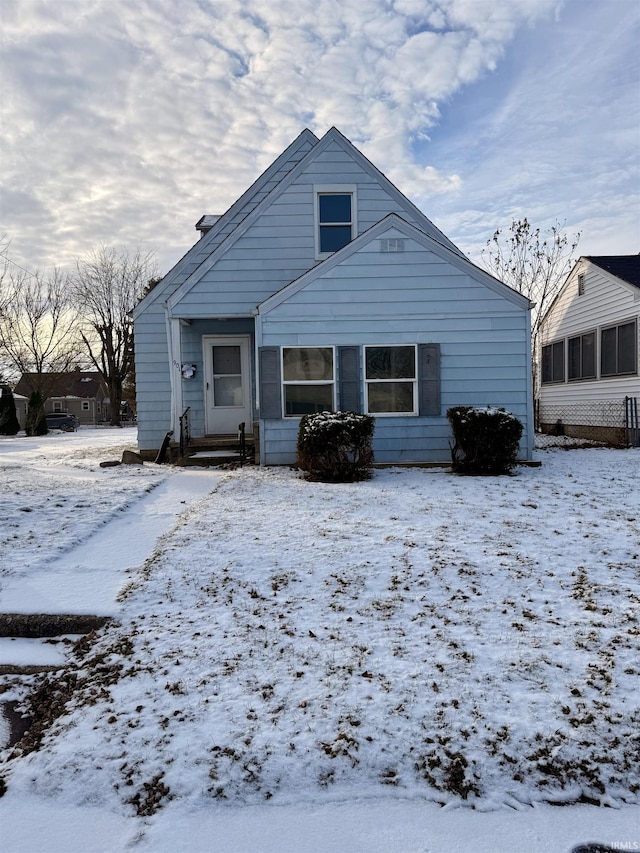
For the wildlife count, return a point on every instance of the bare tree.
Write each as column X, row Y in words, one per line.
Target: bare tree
column 38, row 327
column 106, row 286
column 535, row 263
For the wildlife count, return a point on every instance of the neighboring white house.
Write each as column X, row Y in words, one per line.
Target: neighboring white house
column 323, row 288
column 590, row 383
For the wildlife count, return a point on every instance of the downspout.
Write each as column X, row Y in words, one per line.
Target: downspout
column 530, row 413
column 258, row 344
column 173, row 341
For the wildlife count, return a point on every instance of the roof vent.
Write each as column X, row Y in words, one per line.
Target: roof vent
column 392, row 244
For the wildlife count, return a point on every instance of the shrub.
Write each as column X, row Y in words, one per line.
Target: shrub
column 335, row 447
column 9, row 424
column 485, row 440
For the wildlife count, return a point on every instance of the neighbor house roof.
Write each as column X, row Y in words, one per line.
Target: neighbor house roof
column 626, row 267
column 75, row 384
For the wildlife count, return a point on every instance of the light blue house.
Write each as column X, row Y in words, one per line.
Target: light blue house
column 323, row 287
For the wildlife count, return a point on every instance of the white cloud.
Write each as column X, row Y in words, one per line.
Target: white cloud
column 125, row 120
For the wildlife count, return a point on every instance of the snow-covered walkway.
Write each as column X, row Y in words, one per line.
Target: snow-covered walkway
column 87, row 578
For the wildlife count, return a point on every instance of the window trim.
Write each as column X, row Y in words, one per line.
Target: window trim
column 632, row 322
column 581, row 377
column 284, row 382
column 333, row 189
column 414, row 381
column 553, row 380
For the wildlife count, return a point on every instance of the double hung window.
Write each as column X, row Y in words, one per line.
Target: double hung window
column 308, row 379
column 391, row 380
column 335, row 218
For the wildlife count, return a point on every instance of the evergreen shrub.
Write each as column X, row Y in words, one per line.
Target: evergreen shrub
column 9, row 424
column 485, row 440
column 335, row 447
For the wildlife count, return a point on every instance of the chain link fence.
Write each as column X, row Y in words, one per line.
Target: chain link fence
column 611, row 421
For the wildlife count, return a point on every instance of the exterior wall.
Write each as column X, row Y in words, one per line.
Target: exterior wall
column 191, row 346
column 589, row 408
column 153, row 362
column 153, row 382
column 280, row 245
column 412, row 297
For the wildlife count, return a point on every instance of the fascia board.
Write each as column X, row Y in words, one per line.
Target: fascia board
column 633, row 289
column 393, row 221
column 332, row 135
column 222, row 222
column 248, row 221
column 391, row 188
column 579, row 267
column 582, row 265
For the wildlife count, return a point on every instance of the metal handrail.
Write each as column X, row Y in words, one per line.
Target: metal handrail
column 185, row 431
column 632, row 421
column 242, row 443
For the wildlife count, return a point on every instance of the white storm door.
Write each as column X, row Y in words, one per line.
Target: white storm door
column 227, row 384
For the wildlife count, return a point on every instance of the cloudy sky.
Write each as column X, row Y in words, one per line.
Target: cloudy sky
column 123, row 121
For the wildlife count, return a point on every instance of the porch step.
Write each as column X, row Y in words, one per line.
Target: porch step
column 212, row 451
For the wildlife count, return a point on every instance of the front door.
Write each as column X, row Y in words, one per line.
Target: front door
column 227, row 384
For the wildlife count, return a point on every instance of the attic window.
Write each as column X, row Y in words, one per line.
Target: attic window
column 581, row 284
column 335, row 217
column 392, row 244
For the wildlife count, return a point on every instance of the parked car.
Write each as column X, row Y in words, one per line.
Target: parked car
column 62, row 420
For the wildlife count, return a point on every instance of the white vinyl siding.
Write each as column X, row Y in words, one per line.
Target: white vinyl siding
column 606, row 302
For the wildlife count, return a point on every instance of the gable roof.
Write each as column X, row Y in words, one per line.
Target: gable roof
column 393, row 221
column 331, row 136
column 215, row 234
column 626, row 267
column 87, row 385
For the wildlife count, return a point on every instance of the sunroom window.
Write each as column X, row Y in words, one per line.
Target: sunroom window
column 619, row 350
column 391, row 380
column 308, row 380
column 553, row 362
column 582, row 356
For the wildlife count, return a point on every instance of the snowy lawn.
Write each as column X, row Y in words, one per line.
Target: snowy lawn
column 419, row 636
column 55, row 495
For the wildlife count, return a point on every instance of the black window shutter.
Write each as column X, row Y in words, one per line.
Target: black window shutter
column 349, row 384
column 270, row 386
column 429, row 378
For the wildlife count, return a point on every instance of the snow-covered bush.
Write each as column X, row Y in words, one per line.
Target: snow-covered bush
column 335, row 447
column 485, row 440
